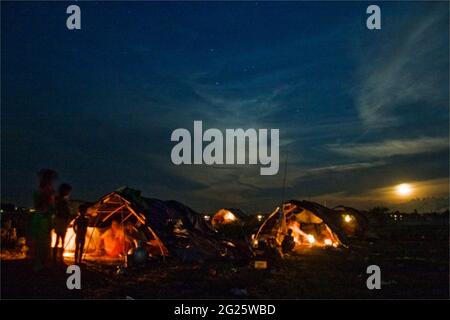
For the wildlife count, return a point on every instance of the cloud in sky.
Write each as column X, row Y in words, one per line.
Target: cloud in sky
column 391, row 148
column 402, row 74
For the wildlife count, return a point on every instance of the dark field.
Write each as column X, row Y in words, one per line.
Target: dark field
column 414, row 264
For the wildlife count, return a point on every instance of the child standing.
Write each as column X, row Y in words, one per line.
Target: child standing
column 80, row 228
column 62, row 219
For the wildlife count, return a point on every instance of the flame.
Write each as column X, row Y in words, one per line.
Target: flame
column 347, row 218
column 302, row 238
column 311, row 238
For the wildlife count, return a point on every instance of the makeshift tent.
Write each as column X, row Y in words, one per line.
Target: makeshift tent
column 166, row 228
column 228, row 216
column 311, row 223
column 351, row 221
column 230, row 225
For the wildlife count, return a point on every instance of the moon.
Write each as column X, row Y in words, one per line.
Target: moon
column 404, row 189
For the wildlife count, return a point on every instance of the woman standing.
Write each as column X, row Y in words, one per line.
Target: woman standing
column 41, row 221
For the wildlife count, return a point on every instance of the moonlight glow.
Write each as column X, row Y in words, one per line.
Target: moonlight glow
column 404, row 189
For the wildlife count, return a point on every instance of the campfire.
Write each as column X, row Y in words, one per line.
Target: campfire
column 92, row 241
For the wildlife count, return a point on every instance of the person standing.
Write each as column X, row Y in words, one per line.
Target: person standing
column 41, row 220
column 62, row 219
column 80, row 226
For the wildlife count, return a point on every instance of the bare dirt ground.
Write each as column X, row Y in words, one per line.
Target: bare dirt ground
column 414, row 264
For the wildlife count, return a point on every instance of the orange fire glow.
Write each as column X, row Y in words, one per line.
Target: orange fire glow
column 91, row 243
column 297, row 233
column 229, row 216
column 302, row 238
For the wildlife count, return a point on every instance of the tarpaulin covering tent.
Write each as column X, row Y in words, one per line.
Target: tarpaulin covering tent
column 311, row 223
column 166, row 228
column 228, row 216
column 230, row 225
column 352, row 222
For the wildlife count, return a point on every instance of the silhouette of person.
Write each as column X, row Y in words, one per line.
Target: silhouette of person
column 288, row 243
column 41, row 220
column 62, row 218
column 80, row 226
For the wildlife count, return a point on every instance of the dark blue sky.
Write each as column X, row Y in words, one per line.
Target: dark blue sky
column 359, row 111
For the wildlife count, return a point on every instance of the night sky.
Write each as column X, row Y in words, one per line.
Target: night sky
column 359, row 111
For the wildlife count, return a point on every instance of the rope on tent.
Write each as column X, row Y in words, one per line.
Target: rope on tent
column 264, row 223
column 67, row 242
column 125, row 262
column 282, row 216
column 112, row 212
column 159, row 243
column 95, row 226
column 284, row 178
